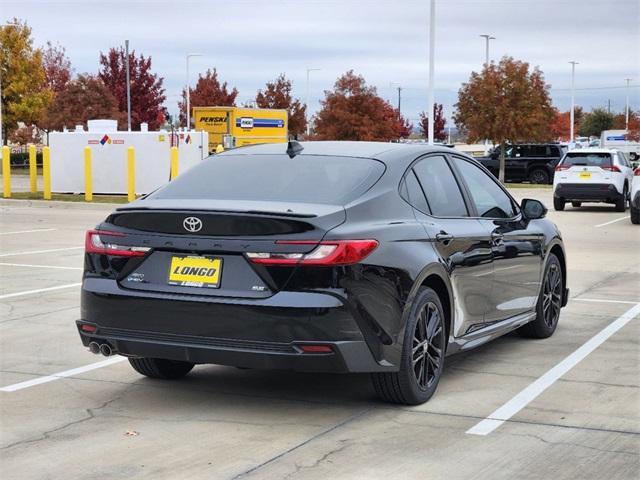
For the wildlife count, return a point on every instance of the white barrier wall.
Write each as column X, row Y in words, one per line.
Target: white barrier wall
column 109, row 159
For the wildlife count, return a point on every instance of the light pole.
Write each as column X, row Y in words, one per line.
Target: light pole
column 309, row 70
column 486, row 48
column 399, row 88
column 626, row 109
column 126, row 62
column 432, row 39
column 189, row 55
column 573, row 78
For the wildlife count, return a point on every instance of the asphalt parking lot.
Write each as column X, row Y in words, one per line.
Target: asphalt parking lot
column 66, row 413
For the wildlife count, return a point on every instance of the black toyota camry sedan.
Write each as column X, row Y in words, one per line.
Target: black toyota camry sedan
column 322, row 257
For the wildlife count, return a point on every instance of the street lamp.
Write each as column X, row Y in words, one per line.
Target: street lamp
column 432, row 39
column 486, row 48
column 309, row 70
column 573, row 77
column 399, row 87
column 189, row 55
column 626, row 109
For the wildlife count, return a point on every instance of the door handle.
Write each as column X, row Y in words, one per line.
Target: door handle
column 496, row 237
column 444, row 237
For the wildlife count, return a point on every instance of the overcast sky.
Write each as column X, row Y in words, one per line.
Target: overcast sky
column 252, row 41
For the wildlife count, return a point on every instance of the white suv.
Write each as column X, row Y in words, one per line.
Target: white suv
column 634, row 200
column 592, row 175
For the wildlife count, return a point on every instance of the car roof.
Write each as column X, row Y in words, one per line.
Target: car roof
column 593, row 150
column 379, row 150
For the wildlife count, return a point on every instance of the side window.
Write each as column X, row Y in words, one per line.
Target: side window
column 441, row 188
column 623, row 160
column 412, row 192
column 555, row 152
column 490, row 199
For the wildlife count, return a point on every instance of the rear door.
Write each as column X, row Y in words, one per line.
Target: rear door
column 516, row 245
column 461, row 241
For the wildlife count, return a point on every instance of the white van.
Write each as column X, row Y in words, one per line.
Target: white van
column 617, row 139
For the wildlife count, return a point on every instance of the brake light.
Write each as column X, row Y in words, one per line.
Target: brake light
column 611, row 168
column 561, row 167
column 94, row 244
column 636, row 172
column 328, row 253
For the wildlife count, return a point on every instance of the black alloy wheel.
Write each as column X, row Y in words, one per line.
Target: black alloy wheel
column 549, row 302
column 539, row 176
column 423, row 354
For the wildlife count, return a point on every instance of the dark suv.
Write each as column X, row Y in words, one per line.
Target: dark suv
column 526, row 162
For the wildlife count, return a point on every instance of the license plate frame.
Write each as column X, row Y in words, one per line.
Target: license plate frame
column 195, row 271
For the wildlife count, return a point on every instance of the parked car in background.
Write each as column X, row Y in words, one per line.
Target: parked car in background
column 592, row 175
column 618, row 139
column 634, row 198
column 526, row 162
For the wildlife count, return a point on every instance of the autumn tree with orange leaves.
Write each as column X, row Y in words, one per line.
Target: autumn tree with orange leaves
column 438, row 124
column 560, row 124
column 354, row 111
column 505, row 103
column 277, row 94
column 208, row 92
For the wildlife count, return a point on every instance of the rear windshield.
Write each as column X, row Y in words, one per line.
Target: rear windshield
column 587, row 159
column 304, row 178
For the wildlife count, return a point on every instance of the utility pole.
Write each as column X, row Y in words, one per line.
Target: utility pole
column 573, row 78
column 486, row 48
column 126, row 61
column 626, row 108
column 432, row 39
column 399, row 99
column 189, row 55
column 608, row 105
column 309, row 70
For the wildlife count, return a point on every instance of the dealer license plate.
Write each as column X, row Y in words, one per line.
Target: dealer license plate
column 192, row 271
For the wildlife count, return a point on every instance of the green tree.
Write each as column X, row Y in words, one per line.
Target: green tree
column 505, row 103
column 596, row 121
column 23, row 97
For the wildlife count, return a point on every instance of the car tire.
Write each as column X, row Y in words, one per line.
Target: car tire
column 621, row 203
column 549, row 302
column 422, row 359
column 635, row 215
column 576, row 204
column 539, row 176
column 558, row 203
column 161, row 368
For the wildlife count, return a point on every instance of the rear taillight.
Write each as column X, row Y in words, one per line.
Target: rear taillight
column 94, row 244
column 611, row 168
column 560, row 168
column 636, row 172
column 327, row 253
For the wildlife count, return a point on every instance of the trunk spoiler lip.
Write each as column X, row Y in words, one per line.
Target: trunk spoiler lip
column 209, row 210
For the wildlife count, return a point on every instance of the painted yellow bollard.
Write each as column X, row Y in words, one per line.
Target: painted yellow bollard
column 88, row 176
column 33, row 169
column 131, row 174
column 46, row 172
column 6, row 172
column 219, row 149
column 174, row 163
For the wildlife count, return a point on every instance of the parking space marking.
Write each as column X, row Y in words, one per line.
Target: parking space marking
column 599, row 300
column 40, row 290
column 612, row 221
column 57, row 376
column 28, row 265
column 29, row 231
column 522, row 399
column 34, row 252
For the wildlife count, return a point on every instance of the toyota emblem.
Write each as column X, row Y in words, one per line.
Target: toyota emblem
column 192, row 224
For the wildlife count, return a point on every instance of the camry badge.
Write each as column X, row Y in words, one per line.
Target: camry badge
column 192, row 224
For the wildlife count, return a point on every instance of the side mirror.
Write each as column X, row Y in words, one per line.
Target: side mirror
column 533, row 209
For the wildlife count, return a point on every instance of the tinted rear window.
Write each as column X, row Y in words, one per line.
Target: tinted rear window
column 587, row 159
column 304, row 178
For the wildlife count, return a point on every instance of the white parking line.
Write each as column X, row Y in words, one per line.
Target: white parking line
column 599, row 300
column 522, row 399
column 28, row 265
column 40, row 290
column 34, row 252
column 612, row 221
column 57, row 376
column 29, row 231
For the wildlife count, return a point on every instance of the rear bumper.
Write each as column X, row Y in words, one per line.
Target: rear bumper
column 267, row 333
column 594, row 192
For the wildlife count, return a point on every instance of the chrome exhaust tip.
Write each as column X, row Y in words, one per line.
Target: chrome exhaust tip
column 94, row 347
column 105, row 349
